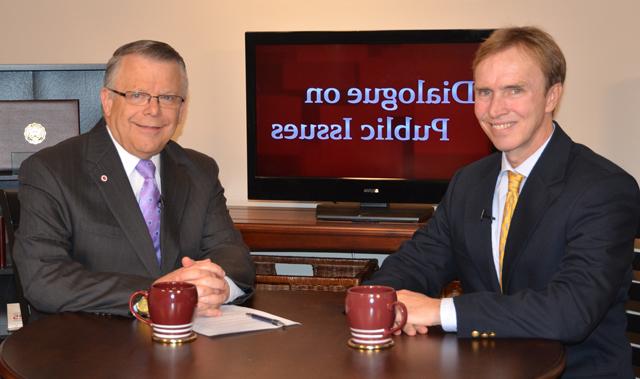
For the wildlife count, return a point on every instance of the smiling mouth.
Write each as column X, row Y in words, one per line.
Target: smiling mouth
column 149, row 126
column 501, row 126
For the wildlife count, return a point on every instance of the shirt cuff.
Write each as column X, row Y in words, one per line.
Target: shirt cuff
column 448, row 317
column 234, row 291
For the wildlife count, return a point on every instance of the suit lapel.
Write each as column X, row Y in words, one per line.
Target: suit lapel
column 175, row 191
column 543, row 186
column 478, row 228
column 112, row 182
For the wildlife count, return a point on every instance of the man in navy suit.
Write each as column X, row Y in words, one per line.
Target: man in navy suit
column 85, row 244
column 563, row 268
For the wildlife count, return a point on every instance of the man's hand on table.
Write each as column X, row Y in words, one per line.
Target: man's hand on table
column 422, row 312
column 208, row 277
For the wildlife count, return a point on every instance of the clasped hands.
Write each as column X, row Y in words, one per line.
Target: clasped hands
column 208, row 277
column 422, row 312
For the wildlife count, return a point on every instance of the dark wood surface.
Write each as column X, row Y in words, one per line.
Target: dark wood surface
column 82, row 346
column 296, row 229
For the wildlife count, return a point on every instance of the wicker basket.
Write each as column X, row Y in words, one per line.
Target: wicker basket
column 329, row 274
column 452, row 289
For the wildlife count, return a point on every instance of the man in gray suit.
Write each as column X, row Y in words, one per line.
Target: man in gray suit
column 86, row 241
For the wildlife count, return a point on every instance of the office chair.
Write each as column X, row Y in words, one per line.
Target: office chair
column 11, row 213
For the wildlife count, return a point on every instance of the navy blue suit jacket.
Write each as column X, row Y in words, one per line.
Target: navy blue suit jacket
column 567, row 265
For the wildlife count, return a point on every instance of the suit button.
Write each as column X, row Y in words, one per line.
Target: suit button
column 484, row 335
column 475, row 334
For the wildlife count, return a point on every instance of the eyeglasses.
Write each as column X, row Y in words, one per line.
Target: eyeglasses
column 143, row 98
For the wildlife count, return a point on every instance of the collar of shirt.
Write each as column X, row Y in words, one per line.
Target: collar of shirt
column 130, row 161
column 526, row 166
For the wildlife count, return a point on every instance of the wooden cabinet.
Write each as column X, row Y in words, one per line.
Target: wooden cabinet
column 297, row 229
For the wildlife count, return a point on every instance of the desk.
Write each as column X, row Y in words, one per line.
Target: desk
column 79, row 346
column 297, row 229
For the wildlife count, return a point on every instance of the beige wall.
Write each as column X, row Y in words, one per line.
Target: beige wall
column 601, row 106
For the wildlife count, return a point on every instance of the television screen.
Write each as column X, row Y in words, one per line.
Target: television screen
column 373, row 116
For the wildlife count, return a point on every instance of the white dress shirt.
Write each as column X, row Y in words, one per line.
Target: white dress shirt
column 447, row 308
column 130, row 161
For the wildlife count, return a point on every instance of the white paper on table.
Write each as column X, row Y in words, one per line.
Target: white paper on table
column 234, row 319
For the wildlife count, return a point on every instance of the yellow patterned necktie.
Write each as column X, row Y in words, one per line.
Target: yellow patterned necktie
column 509, row 205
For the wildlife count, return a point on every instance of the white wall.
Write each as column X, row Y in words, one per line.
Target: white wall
column 601, row 106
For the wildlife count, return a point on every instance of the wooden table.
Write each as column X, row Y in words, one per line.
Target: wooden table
column 297, row 229
column 87, row 346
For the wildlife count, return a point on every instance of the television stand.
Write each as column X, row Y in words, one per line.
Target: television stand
column 373, row 212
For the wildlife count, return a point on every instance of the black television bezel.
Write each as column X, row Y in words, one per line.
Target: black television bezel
column 362, row 190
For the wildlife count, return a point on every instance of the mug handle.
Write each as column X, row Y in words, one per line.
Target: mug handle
column 403, row 319
column 132, row 298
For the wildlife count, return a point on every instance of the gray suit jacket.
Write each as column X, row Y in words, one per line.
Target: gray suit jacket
column 567, row 264
column 83, row 245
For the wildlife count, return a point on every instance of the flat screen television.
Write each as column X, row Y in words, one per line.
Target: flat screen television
column 373, row 117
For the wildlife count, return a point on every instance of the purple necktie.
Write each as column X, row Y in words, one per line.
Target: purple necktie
column 150, row 202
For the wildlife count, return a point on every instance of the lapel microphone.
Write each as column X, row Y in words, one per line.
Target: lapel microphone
column 486, row 216
column 161, row 202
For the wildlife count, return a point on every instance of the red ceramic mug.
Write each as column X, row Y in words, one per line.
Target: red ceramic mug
column 371, row 312
column 171, row 309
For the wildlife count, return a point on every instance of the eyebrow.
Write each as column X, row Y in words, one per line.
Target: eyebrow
column 506, row 87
